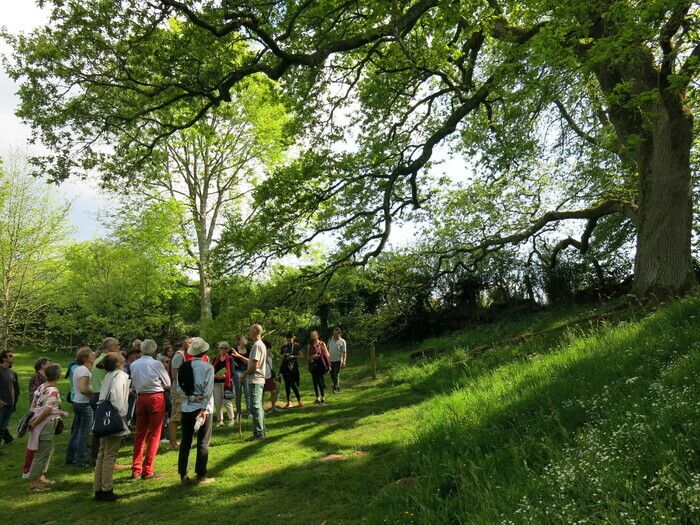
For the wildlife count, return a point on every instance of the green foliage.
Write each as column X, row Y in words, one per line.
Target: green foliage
column 124, row 286
column 34, row 227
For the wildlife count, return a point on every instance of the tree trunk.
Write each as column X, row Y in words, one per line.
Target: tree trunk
column 204, row 292
column 203, row 246
column 663, row 263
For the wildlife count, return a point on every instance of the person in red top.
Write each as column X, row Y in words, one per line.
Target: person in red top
column 319, row 363
column 223, row 384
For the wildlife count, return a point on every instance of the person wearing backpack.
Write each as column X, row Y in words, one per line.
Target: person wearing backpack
column 196, row 386
column 114, row 389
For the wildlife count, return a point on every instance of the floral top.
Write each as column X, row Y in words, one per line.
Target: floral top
column 47, row 396
column 44, row 397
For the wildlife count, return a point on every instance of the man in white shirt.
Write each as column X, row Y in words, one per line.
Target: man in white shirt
column 255, row 376
column 338, row 349
column 149, row 378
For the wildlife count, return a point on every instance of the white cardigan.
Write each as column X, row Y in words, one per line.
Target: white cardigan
column 116, row 384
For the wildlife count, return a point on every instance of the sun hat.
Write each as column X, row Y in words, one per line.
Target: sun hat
column 198, row 347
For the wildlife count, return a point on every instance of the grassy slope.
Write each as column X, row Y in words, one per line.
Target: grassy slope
column 597, row 424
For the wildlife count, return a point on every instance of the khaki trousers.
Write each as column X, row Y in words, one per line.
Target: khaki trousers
column 106, row 458
column 43, row 454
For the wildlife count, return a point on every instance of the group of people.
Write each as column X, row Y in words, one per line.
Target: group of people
column 153, row 393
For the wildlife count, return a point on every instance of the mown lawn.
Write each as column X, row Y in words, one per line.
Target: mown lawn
column 598, row 423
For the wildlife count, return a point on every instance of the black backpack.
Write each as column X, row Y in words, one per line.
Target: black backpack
column 185, row 378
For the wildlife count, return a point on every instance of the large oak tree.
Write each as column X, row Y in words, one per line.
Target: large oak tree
column 104, row 83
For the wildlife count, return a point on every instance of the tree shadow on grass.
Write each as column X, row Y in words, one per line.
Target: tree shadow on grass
column 495, row 442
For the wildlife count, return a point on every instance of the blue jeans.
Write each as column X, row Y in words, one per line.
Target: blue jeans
column 257, row 410
column 5, row 414
column 78, row 451
column 245, row 390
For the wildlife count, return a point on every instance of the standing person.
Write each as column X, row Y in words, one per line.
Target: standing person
column 240, row 361
column 166, row 352
column 289, row 369
column 175, row 398
column 197, row 389
column 39, row 378
column 319, row 363
column 223, row 384
column 9, row 394
column 115, row 387
column 255, row 376
column 132, row 354
column 270, row 377
column 338, row 349
column 77, row 452
column 110, row 345
column 149, row 379
column 42, row 428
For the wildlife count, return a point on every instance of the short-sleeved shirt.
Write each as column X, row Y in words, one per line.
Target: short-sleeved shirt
column 175, row 363
column 9, row 386
column 258, row 353
column 78, row 396
column 337, row 349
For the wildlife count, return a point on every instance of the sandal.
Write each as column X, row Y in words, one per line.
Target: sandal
column 39, row 488
column 176, row 447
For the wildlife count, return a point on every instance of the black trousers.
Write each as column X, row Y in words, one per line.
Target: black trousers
column 291, row 382
column 319, row 382
column 203, row 438
column 335, row 373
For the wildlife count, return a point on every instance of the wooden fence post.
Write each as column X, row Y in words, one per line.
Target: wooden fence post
column 373, row 359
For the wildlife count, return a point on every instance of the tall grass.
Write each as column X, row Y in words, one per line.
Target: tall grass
column 603, row 428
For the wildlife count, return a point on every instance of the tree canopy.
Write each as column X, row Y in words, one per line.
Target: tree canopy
column 565, row 110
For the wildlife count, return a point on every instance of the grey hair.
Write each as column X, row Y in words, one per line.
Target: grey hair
column 148, row 347
column 257, row 328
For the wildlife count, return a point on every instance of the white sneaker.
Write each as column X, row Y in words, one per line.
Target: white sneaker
column 165, row 441
column 25, row 476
